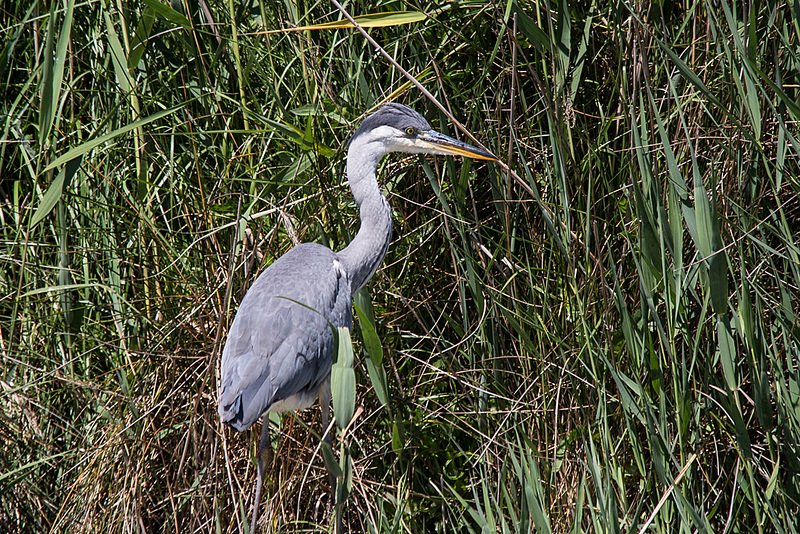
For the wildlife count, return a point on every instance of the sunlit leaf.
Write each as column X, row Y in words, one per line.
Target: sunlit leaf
column 343, row 380
column 376, row 20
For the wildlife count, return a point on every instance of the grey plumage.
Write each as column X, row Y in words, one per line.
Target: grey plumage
column 394, row 115
column 279, row 350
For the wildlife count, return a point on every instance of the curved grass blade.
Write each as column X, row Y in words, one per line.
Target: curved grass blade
column 372, row 345
column 56, row 189
column 167, row 13
column 93, row 143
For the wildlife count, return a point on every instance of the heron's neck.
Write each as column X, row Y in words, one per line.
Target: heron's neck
column 365, row 252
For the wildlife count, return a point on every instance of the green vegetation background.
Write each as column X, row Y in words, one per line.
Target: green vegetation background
column 605, row 340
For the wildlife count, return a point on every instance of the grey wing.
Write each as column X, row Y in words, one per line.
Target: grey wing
column 277, row 350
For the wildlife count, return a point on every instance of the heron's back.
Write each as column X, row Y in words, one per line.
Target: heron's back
column 279, row 352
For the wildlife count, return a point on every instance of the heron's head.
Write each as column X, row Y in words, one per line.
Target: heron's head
column 398, row 128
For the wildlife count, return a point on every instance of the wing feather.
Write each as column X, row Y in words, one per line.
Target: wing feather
column 279, row 352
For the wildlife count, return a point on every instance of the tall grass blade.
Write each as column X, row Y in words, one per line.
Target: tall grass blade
column 53, row 73
column 54, row 191
column 90, row 145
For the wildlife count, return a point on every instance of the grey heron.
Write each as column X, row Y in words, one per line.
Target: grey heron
column 278, row 353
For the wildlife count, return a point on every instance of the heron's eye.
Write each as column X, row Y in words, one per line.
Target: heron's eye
column 411, row 130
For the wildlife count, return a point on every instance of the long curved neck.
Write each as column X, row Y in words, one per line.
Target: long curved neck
column 365, row 252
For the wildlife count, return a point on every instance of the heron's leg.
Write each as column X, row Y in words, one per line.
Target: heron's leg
column 325, row 405
column 264, row 454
